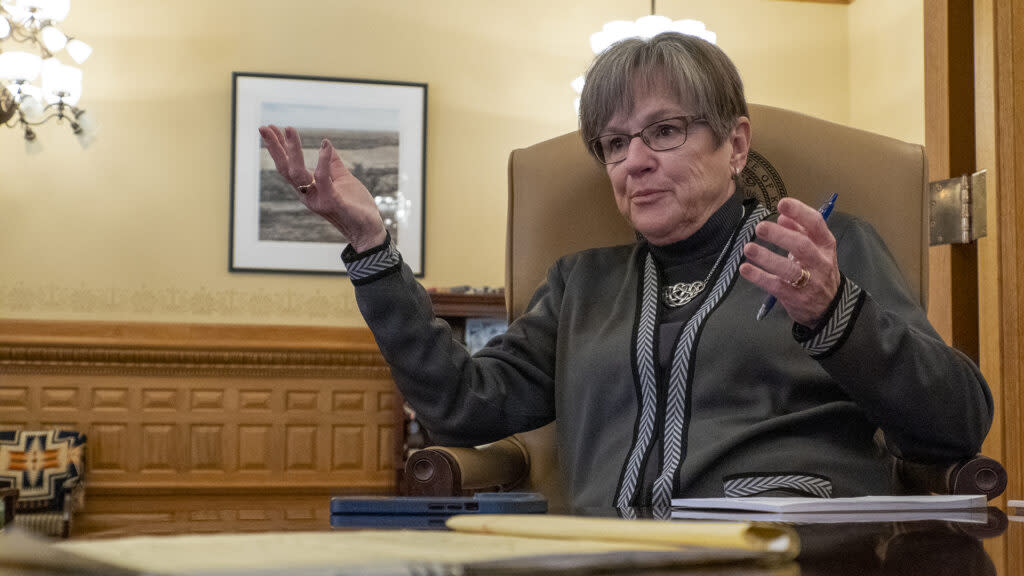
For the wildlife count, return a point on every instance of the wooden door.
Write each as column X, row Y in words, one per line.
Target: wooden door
column 974, row 92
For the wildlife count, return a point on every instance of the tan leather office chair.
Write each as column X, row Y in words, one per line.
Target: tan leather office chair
column 560, row 201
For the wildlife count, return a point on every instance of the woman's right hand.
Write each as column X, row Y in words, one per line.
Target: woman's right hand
column 331, row 191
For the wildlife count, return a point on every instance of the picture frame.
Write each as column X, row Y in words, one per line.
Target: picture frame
column 379, row 130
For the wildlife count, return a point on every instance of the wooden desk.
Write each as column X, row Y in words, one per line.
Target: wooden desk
column 907, row 548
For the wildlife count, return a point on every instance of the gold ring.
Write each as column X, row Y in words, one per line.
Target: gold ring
column 305, row 188
column 805, row 276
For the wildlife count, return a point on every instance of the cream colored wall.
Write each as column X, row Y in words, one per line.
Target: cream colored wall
column 887, row 67
column 136, row 227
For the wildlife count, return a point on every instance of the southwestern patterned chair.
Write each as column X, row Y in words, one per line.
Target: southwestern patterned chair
column 560, row 201
column 46, row 469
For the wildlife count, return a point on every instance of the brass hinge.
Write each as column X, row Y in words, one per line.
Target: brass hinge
column 956, row 209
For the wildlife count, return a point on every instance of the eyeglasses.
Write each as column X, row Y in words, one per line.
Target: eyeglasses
column 658, row 136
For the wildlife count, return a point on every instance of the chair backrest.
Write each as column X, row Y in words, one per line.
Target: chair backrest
column 560, row 201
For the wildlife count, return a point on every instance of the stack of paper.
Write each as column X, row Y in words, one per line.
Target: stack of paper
column 1016, row 508
column 954, row 508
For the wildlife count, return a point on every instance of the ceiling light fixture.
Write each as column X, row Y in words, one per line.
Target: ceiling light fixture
column 643, row 27
column 35, row 86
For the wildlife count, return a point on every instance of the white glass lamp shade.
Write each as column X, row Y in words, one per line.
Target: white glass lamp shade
column 609, row 34
column 694, row 28
column 86, row 132
column 53, row 39
column 17, row 14
column 61, row 82
column 5, row 27
column 646, row 27
column 650, row 26
column 19, row 66
column 31, row 103
column 78, row 50
column 577, row 84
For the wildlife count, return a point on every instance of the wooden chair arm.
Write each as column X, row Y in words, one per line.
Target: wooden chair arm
column 977, row 475
column 448, row 471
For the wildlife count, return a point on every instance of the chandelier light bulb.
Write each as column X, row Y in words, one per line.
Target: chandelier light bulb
column 53, row 39
column 19, row 66
column 31, row 44
column 84, row 130
column 644, row 27
column 31, row 107
column 577, row 84
column 78, row 50
column 62, row 83
column 650, row 26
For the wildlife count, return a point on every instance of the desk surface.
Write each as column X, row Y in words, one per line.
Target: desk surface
column 995, row 548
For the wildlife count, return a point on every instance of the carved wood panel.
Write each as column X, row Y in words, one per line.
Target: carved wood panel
column 178, row 410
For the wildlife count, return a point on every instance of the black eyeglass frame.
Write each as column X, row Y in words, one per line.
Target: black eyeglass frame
column 689, row 121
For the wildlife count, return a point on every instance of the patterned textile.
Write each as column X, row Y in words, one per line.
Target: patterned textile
column 45, row 465
column 840, row 316
column 812, row 485
column 367, row 266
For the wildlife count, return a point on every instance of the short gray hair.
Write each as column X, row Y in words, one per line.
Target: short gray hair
column 694, row 70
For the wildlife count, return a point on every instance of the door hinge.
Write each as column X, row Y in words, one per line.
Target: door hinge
column 956, row 209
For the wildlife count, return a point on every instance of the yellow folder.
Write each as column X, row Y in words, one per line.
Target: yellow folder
column 774, row 541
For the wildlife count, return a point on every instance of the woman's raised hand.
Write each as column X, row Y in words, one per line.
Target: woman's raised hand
column 806, row 282
column 330, row 191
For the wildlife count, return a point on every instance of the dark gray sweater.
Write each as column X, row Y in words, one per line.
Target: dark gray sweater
column 752, row 406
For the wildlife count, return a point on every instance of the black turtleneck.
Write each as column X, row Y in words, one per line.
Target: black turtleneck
column 689, row 260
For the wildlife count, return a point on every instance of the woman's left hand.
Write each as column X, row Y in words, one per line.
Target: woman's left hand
column 806, row 282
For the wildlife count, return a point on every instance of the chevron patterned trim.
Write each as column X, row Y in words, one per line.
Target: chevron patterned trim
column 835, row 330
column 675, row 408
column 373, row 264
column 750, row 485
column 648, row 385
column 627, row 513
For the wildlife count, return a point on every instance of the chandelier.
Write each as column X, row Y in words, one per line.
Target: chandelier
column 643, row 27
column 35, row 86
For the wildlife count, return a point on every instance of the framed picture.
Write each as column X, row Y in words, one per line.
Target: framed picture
column 378, row 129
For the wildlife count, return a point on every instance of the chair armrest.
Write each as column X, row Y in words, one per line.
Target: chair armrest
column 977, row 475
column 10, row 498
column 448, row 471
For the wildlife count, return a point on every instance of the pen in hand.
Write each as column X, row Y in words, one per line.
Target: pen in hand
column 769, row 301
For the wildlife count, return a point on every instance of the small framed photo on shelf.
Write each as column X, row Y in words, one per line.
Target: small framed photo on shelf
column 378, row 129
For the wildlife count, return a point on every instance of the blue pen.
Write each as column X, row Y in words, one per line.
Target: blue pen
column 825, row 211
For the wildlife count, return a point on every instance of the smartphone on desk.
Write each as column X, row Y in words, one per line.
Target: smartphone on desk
column 482, row 503
column 391, row 521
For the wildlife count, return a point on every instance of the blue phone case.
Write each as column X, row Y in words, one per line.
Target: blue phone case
column 390, row 521
column 483, row 503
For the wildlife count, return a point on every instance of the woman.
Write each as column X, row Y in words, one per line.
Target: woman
column 662, row 382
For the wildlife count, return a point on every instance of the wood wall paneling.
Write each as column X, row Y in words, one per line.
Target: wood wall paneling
column 222, row 411
column 1008, row 47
